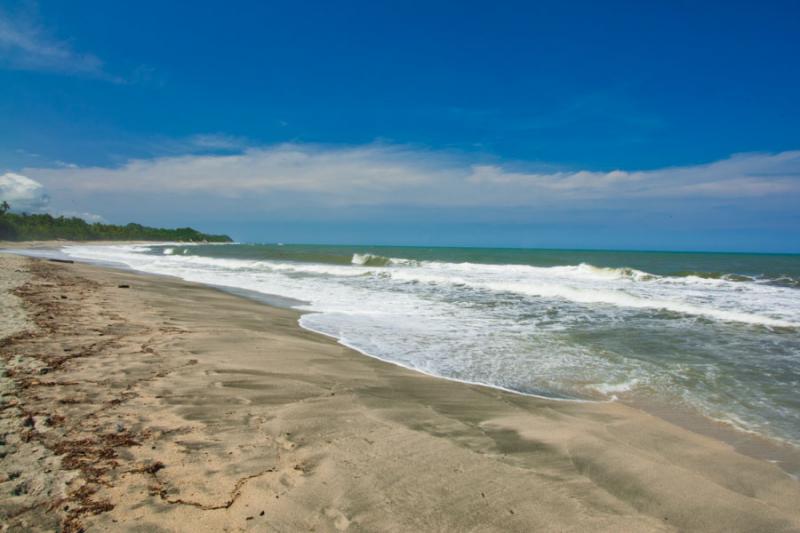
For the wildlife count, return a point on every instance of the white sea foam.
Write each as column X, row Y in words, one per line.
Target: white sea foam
column 615, row 388
column 718, row 299
column 585, row 284
column 508, row 326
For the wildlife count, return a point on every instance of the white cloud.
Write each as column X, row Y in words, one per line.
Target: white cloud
column 22, row 193
column 579, row 181
column 26, row 195
column 742, row 175
column 360, row 174
column 88, row 217
column 25, row 45
column 380, row 174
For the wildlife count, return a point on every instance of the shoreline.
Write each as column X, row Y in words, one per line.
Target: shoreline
column 343, row 418
column 784, row 454
column 768, row 448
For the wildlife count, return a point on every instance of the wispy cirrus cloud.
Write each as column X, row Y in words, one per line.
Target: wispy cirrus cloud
column 26, row 45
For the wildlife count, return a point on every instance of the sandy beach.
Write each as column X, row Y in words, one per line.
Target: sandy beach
column 143, row 403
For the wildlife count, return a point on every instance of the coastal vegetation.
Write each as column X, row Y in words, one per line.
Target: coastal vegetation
column 29, row 227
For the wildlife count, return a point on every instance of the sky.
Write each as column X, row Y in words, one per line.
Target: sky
column 557, row 124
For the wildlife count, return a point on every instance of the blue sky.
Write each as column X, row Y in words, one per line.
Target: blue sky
column 658, row 125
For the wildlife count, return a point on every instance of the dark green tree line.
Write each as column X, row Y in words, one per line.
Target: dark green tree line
column 28, row 227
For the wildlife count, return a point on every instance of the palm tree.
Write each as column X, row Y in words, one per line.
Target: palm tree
column 4, row 207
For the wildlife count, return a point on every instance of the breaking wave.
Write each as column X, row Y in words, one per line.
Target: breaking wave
column 381, row 261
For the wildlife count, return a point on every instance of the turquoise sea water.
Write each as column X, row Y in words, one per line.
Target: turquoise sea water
column 718, row 334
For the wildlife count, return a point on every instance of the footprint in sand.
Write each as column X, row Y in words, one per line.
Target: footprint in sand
column 340, row 521
column 285, row 443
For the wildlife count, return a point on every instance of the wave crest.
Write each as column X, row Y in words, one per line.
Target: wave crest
column 380, row 261
column 614, row 273
column 370, row 260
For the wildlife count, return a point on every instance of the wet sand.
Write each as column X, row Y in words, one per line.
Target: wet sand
column 170, row 406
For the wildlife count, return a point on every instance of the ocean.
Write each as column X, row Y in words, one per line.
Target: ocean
column 715, row 334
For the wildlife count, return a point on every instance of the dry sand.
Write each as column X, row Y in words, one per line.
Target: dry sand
column 169, row 406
